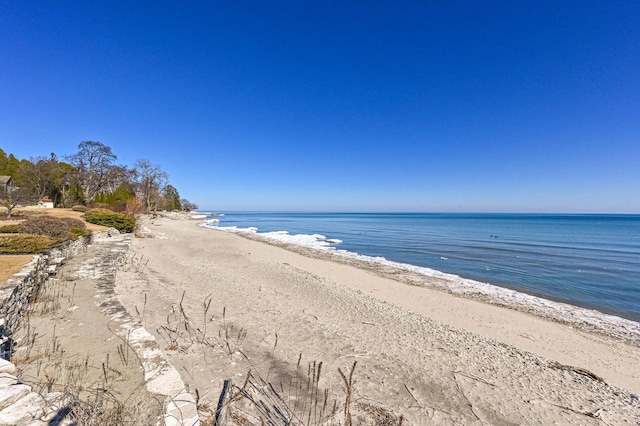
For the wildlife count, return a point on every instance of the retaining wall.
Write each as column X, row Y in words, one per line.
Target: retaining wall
column 19, row 404
column 24, row 286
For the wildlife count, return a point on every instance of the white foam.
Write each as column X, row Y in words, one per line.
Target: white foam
column 570, row 314
column 315, row 241
column 564, row 312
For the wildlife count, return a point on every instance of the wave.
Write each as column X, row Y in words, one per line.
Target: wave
column 583, row 318
column 315, row 241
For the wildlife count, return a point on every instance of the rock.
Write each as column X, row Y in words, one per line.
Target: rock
column 7, row 367
column 7, row 379
column 10, row 395
column 31, row 409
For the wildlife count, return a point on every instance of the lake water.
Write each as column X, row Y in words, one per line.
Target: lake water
column 591, row 261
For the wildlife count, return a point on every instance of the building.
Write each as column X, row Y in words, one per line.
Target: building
column 46, row 202
column 6, row 183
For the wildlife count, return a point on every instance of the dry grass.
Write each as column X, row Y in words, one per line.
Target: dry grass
column 97, row 389
column 286, row 396
column 12, row 264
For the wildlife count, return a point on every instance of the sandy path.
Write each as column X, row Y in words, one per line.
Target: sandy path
column 74, row 341
column 427, row 355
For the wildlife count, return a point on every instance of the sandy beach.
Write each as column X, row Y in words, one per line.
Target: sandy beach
column 221, row 304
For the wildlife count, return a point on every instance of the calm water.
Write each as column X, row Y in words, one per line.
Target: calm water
column 586, row 260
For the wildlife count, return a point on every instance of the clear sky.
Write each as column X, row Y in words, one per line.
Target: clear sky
column 509, row 106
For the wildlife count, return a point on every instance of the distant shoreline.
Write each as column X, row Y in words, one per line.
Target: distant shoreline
column 304, row 212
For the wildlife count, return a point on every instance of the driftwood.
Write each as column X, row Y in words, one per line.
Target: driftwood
column 578, row 370
column 221, row 404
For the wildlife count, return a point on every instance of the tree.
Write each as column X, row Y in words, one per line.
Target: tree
column 41, row 175
column 171, row 198
column 13, row 197
column 94, row 168
column 116, row 177
column 3, row 162
column 12, row 165
column 68, row 192
column 117, row 199
column 188, row 205
column 148, row 178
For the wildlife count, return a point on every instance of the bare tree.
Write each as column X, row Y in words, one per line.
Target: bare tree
column 41, row 175
column 116, row 176
column 93, row 163
column 12, row 197
column 188, row 205
column 149, row 179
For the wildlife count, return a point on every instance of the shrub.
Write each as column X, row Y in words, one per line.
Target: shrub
column 26, row 244
column 45, row 225
column 74, row 222
column 9, row 229
column 78, row 232
column 120, row 221
column 80, row 208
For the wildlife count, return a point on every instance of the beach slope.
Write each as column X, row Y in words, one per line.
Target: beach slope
column 220, row 305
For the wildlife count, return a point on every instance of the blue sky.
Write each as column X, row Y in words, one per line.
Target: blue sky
column 326, row 105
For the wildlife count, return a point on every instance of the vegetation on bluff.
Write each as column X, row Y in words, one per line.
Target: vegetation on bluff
column 90, row 177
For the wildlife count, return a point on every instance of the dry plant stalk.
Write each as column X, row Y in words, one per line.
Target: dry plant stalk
column 87, row 401
column 349, row 390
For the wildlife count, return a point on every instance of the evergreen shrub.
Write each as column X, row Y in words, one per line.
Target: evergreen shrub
column 9, row 229
column 26, row 244
column 120, row 221
column 80, row 208
column 78, row 232
column 74, row 222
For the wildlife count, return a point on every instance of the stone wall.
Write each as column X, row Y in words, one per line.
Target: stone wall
column 23, row 287
column 19, row 404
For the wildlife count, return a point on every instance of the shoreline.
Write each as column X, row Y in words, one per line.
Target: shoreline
column 422, row 353
column 591, row 320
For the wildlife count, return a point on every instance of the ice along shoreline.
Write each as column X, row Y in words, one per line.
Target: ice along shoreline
column 316, row 245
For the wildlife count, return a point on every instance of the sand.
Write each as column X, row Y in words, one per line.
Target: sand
column 221, row 304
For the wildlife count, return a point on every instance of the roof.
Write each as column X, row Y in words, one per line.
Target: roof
column 5, row 180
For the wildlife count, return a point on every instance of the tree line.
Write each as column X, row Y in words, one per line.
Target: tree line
column 89, row 177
